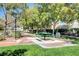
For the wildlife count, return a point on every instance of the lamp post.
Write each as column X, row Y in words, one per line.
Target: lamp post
column 15, row 26
column 15, row 14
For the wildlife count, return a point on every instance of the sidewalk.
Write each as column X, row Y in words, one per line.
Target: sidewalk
column 11, row 41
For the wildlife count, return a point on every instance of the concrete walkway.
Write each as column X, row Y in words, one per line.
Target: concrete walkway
column 53, row 43
column 7, row 43
column 11, row 41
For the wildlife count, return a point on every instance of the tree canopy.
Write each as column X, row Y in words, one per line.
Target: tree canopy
column 41, row 16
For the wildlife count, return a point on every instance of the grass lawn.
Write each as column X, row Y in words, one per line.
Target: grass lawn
column 34, row 50
column 74, row 40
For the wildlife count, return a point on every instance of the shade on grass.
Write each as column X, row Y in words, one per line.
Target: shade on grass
column 34, row 50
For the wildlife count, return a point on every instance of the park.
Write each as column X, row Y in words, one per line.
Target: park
column 39, row 29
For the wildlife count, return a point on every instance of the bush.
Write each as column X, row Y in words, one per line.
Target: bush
column 2, row 38
column 18, row 34
column 1, row 27
column 16, row 52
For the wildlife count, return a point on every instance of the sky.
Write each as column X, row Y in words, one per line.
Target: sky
column 2, row 13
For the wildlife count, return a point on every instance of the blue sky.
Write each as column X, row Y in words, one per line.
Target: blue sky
column 2, row 14
column 30, row 4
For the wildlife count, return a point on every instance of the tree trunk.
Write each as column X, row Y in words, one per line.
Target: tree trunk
column 54, row 25
column 5, row 25
column 37, row 30
column 44, row 29
column 32, row 29
column 53, row 32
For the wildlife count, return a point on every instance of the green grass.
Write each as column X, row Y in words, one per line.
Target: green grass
column 34, row 50
column 74, row 40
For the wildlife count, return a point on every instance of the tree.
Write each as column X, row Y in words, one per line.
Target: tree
column 3, row 6
column 31, row 19
column 1, row 24
column 55, row 11
column 16, row 10
column 44, row 15
column 8, row 9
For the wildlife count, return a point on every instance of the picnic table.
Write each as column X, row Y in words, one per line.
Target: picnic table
column 45, row 34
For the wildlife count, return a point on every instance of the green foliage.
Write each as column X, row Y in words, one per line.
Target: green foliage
column 15, row 52
column 42, row 15
column 2, row 37
column 1, row 27
column 74, row 40
column 34, row 50
column 65, row 51
column 17, row 34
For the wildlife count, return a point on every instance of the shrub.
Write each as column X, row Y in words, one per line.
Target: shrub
column 10, row 52
column 2, row 38
column 19, row 52
column 1, row 27
column 18, row 34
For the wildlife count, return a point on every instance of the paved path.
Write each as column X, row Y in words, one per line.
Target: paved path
column 7, row 43
column 11, row 41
